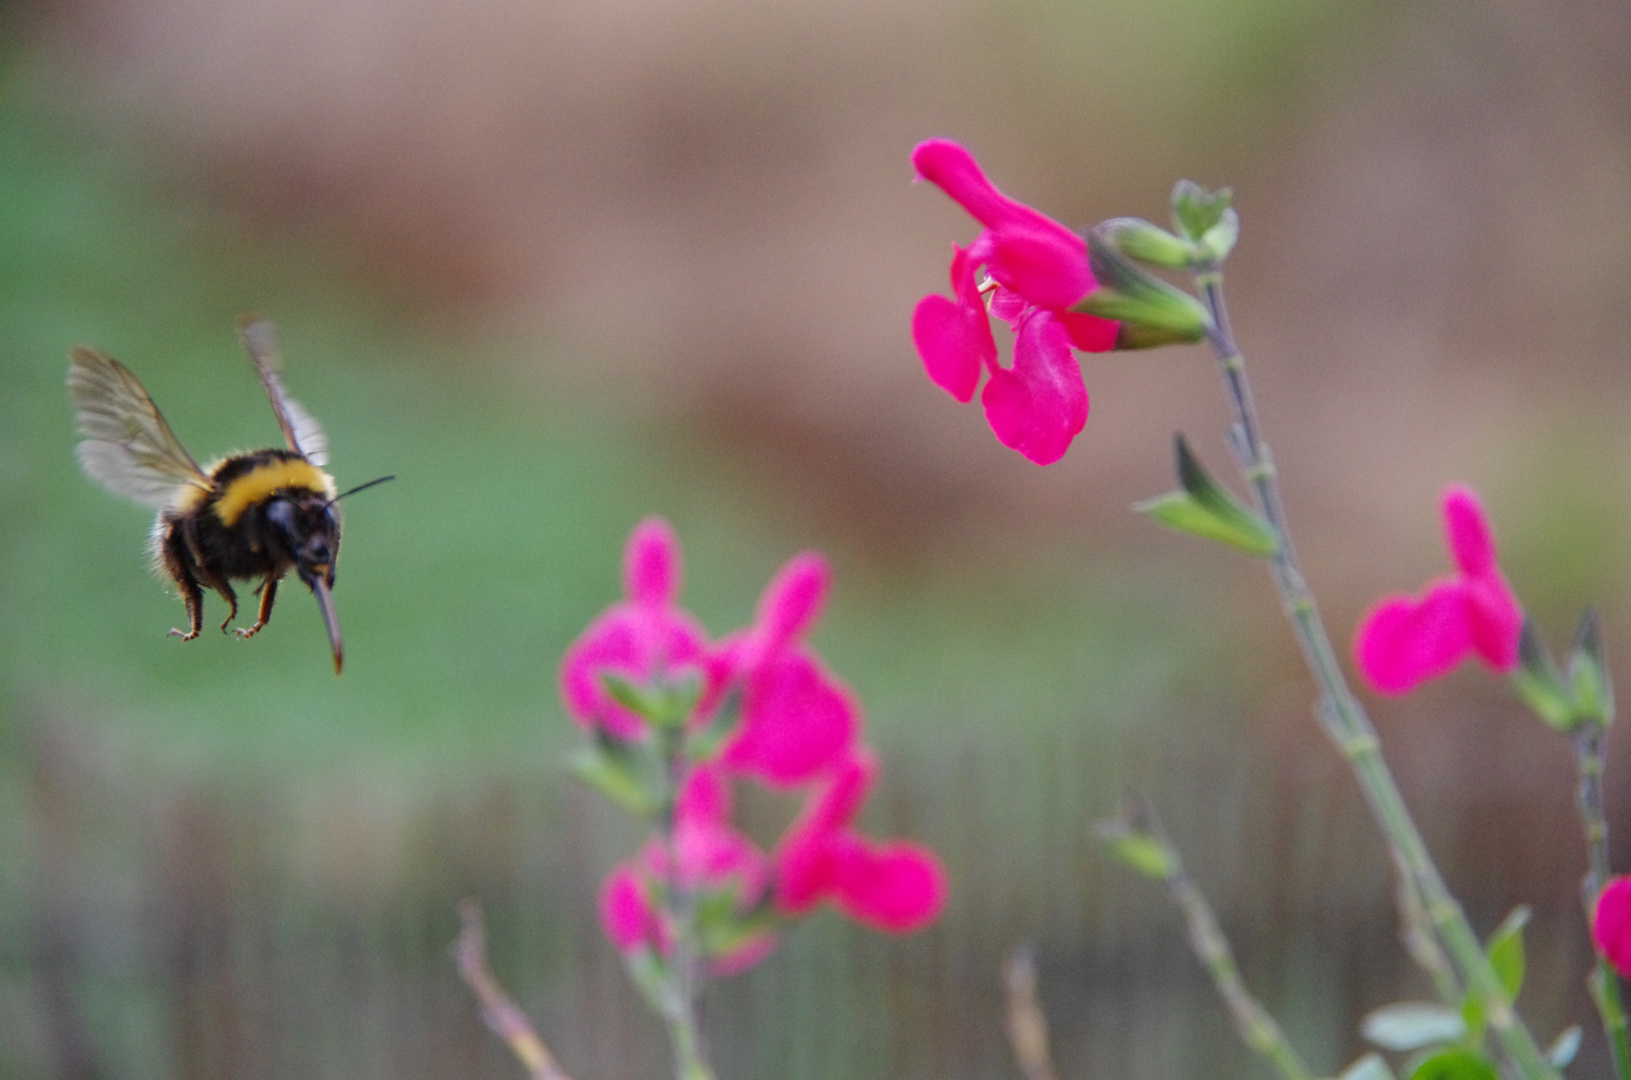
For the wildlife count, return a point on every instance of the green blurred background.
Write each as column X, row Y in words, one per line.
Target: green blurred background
column 561, row 266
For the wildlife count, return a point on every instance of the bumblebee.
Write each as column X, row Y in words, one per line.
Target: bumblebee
column 249, row 515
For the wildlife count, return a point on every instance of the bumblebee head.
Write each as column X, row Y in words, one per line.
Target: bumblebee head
column 305, row 529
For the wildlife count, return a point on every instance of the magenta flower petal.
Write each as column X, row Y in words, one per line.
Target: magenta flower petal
column 796, row 721
column 1467, row 533
column 792, row 602
column 807, row 859
column 1403, row 642
column 1611, row 924
column 651, row 564
column 1090, row 333
column 897, row 887
column 1039, row 405
column 1033, row 255
column 952, row 344
column 645, row 639
column 626, row 914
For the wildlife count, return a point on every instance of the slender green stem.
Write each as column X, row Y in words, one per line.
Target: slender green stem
column 1257, row 1028
column 1344, row 719
column 684, row 983
column 1589, row 742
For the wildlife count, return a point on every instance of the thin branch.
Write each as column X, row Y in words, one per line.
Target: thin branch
column 502, row 1015
column 1027, row 1026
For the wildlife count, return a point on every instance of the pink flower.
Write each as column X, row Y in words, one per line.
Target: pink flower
column 1404, row 641
column 797, row 719
column 646, row 639
column 1040, row 270
column 710, row 857
column 897, row 886
column 1611, row 923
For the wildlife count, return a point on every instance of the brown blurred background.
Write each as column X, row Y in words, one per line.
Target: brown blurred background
column 693, row 224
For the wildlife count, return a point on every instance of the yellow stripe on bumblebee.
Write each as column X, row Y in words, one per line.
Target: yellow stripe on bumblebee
column 260, row 483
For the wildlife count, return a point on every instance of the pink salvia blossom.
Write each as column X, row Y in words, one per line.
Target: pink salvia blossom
column 898, row 886
column 646, row 639
column 1611, row 924
column 709, row 856
column 797, row 718
column 1039, row 269
column 1404, row 641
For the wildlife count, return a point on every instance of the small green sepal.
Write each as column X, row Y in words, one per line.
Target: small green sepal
column 1151, row 244
column 1588, row 673
column 1540, row 684
column 1129, row 295
column 1206, row 509
column 1195, row 210
column 1411, row 1025
column 1134, row 837
column 1219, row 240
column 1457, row 1063
column 1506, row 950
column 623, row 772
column 645, row 702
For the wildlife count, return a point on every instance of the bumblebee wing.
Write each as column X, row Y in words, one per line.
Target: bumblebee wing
column 300, row 429
column 128, row 447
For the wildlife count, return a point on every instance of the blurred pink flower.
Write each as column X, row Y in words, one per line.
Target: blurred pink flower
column 897, row 886
column 645, row 639
column 1403, row 640
column 710, row 856
column 1040, row 269
column 797, row 719
column 1611, row 924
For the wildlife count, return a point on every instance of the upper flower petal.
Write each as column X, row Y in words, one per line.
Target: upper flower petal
column 651, row 564
column 792, row 602
column 1467, row 532
column 1033, row 255
column 1039, row 406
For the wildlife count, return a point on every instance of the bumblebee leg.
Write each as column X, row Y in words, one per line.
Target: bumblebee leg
column 268, row 591
column 220, row 585
column 178, row 564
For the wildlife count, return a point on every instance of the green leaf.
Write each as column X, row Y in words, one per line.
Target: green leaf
column 644, row 702
column 620, row 772
column 1151, row 244
column 1129, row 295
column 1195, row 210
column 1206, row 509
column 1588, row 673
column 1143, row 853
column 1457, row 1063
column 1539, row 683
column 1410, row 1025
column 1506, row 950
column 1134, row 837
column 1564, row 1047
column 1369, row 1067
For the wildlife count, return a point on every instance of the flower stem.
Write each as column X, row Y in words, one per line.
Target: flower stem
column 1257, row 1028
column 1589, row 742
column 684, row 967
column 1344, row 719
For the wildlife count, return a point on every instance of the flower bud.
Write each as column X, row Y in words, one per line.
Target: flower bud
column 1138, row 239
column 1195, row 210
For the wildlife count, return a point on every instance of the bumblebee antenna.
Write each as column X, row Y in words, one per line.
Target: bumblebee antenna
column 359, row 487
